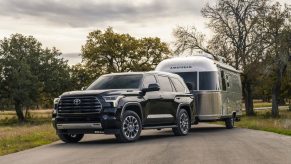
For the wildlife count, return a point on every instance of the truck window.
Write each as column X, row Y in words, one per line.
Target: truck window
column 149, row 79
column 165, row 84
column 208, row 80
column 189, row 77
column 223, row 81
column 178, row 85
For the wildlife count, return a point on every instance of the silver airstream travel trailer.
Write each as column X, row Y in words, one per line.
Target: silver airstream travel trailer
column 215, row 85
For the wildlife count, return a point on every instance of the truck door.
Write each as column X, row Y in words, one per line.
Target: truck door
column 160, row 108
column 152, row 100
column 165, row 110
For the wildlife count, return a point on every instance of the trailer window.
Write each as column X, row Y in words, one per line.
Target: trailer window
column 208, row 81
column 189, row 77
column 223, row 81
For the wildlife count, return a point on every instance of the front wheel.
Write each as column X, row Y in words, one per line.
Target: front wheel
column 229, row 123
column 183, row 123
column 130, row 127
column 70, row 138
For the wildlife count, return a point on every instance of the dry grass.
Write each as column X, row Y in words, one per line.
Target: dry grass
column 14, row 139
column 7, row 115
column 36, row 131
column 262, row 104
column 264, row 121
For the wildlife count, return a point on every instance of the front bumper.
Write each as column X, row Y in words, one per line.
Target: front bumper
column 88, row 123
column 79, row 126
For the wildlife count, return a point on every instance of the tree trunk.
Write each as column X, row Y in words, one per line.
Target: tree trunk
column 276, row 91
column 26, row 112
column 248, row 97
column 19, row 112
column 275, row 98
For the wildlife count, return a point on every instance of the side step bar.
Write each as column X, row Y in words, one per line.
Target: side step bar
column 160, row 127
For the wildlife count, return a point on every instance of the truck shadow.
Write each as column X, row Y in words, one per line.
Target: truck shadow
column 153, row 136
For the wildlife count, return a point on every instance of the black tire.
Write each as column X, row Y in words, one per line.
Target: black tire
column 130, row 128
column 71, row 138
column 183, row 123
column 229, row 123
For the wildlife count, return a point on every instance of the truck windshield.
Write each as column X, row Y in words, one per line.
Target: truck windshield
column 116, row 82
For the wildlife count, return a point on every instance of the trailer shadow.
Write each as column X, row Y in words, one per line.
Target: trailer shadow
column 154, row 136
column 207, row 129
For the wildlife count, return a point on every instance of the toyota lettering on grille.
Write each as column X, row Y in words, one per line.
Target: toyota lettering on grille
column 77, row 101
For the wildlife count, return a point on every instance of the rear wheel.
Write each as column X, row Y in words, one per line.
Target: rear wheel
column 229, row 123
column 183, row 123
column 71, row 138
column 130, row 127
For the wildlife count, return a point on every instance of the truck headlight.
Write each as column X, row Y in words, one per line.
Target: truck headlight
column 113, row 99
column 56, row 101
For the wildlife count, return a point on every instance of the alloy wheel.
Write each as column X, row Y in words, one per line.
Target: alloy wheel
column 130, row 127
column 184, row 123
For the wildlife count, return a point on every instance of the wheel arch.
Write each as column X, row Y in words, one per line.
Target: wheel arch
column 186, row 107
column 133, row 106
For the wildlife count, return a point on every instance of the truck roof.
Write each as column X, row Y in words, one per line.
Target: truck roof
column 148, row 72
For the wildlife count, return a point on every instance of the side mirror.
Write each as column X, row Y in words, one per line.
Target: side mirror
column 189, row 86
column 152, row 87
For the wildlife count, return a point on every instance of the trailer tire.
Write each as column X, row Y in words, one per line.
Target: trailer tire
column 229, row 123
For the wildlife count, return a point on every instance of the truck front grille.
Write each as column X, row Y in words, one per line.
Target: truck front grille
column 79, row 105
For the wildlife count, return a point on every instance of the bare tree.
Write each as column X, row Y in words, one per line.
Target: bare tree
column 237, row 37
column 278, row 39
column 189, row 39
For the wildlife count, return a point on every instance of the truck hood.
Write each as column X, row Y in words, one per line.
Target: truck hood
column 103, row 92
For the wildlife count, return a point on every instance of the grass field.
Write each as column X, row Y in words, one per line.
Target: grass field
column 36, row 131
column 264, row 121
column 262, row 104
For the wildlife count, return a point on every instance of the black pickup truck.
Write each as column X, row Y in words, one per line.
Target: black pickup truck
column 123, row 104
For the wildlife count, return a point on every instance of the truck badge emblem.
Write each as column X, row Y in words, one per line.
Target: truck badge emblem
column 77, row 102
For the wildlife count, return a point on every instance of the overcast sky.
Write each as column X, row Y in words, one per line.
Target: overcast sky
column 66, row 23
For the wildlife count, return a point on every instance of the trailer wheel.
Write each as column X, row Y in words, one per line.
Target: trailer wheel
column 229, row 123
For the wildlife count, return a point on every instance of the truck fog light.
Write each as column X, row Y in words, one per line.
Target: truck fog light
column 105, row 117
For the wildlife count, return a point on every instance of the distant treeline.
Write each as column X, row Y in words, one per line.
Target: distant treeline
column 32, row 76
